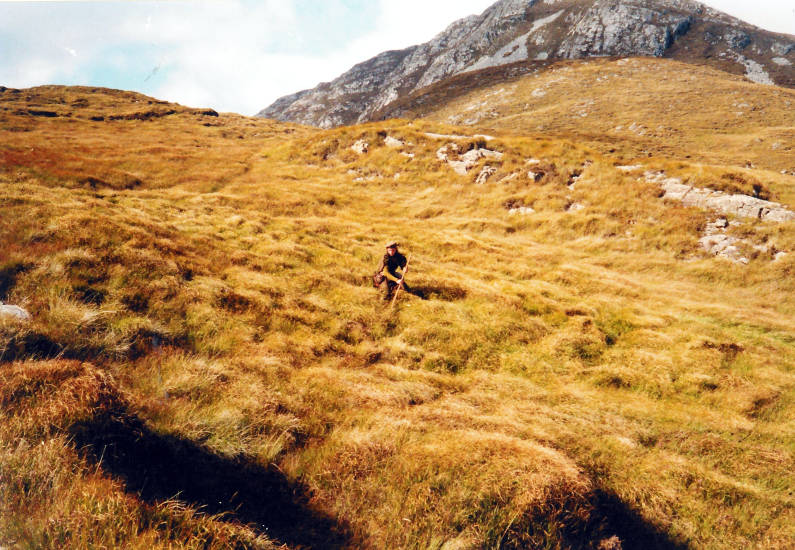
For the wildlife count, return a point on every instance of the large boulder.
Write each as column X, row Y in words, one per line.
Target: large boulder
column 738, row 205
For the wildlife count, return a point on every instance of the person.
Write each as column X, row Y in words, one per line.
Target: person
column 387, row 270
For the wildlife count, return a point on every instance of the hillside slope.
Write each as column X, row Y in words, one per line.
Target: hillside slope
column 512, row 31
column 630, row 107
column 208, row 366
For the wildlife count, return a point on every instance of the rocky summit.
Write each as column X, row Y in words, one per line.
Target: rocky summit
column 533, row 33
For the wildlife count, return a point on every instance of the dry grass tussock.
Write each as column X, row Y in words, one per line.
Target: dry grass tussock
column 208, row 365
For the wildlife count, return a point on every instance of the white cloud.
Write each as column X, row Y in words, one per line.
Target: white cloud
column 230, row 75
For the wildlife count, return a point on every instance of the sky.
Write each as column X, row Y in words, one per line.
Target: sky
column 236, row 55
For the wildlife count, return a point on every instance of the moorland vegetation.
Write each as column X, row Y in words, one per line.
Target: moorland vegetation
column 208, row 366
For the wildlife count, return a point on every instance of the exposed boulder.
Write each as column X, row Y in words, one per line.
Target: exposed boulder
column 13, row 312
column 360, row 147
column 390, row 141
column 485, row 174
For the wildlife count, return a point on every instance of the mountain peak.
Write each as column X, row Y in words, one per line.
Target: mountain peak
column 513, row 31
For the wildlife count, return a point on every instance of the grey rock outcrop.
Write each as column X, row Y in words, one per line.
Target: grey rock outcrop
column 520, row 31
column 718, row 243
column 485, row 174
column 742, row 206
column 13, row 312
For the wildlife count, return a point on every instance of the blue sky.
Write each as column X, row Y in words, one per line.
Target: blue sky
column 235, row 55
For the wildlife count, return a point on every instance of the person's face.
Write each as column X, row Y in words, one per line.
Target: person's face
column 392, row 250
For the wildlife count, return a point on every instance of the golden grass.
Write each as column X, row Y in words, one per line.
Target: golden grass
column 571, row 375
column 53, row 497
column 638, row 108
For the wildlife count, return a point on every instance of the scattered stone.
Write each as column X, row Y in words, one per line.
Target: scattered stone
column 717, row 243
column 630, row 167
column 781, row 61
column 459, row 167
column 466, row 161
column 15, row 312
column 360, row 147
column 637, row 128
column 441, row 154
column 475, row 154
column 407, row 155
column 389, row 141
column 521, row 210
column 535, row 176
column 485, row 174
column 575, row 207
column 532, row 162
column 779, row 255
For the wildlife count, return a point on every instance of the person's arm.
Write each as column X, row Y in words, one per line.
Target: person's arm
column 381, row 265
column 392, row 276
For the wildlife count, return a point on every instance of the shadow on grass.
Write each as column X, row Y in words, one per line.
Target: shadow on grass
column 8, row 277
column 634, row 531
column 17, row 345
column 444, row 291
column 159, row 467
